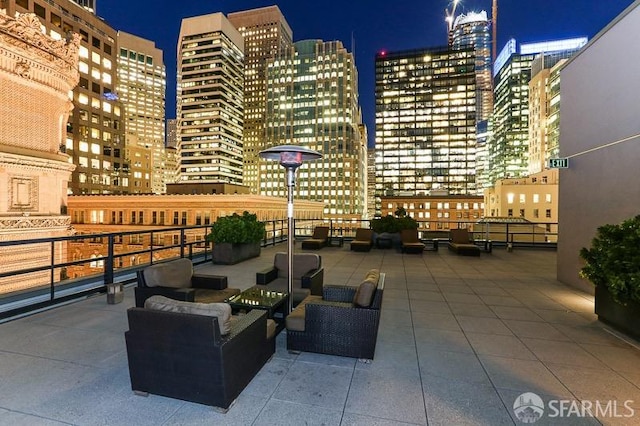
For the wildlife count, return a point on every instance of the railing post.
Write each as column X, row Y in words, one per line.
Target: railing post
column 108, row 264
column 52, row 271
column 183, row 240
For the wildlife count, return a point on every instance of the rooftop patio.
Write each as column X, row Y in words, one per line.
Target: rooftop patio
column 460, row 338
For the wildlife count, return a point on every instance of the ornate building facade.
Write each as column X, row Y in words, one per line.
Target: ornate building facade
column 37, row 72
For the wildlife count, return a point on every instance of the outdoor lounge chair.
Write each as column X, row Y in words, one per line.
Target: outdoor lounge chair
column 183, row 353
column 410, row 241
column 363, row 240
column 461, row 243
column 308, row 275
column 343, row 321
column 177, row 280
column 319, row 239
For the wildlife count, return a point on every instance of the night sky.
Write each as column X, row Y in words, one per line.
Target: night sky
column 374, row 25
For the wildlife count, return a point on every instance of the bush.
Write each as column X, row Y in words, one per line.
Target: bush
column 613, row 261
column 393, row 224
column 237, row 229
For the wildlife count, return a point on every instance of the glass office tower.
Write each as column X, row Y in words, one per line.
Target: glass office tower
column 425, row 122
column 312, row 101
column 210, row 79
column 142, row 82
column 265, row 33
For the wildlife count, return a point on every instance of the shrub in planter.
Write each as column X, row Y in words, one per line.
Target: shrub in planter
column 613, row 265
column 391, row 224
column 613, row 261
column 237, row 229
column 236, row 238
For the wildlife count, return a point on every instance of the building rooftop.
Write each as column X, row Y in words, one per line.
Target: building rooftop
column 460, row 339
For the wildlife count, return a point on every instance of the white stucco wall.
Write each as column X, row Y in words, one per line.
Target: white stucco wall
column 600, row 104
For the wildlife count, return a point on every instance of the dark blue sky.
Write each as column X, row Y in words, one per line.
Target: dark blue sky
column 375, row 25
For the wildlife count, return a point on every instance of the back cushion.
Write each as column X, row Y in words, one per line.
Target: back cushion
column 220, row 310
column 175, row 274
column 366, row 289
column 302, row 263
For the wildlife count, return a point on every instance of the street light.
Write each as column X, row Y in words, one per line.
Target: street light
column 290, row 157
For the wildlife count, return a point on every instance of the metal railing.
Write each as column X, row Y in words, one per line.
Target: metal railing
column 38, row 273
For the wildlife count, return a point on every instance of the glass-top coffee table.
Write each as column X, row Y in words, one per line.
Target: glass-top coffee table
column 259, row 297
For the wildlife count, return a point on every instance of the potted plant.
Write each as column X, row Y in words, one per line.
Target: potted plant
column 388, row 228
column 612, row 264
column 236, row 238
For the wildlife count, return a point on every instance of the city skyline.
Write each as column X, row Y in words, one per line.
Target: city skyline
column 417, row 25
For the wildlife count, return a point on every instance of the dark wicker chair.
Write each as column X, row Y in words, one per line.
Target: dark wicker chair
column 184, row 356
column 308, row 275
column 410, row 241
column 175, row 279
column 363, row 240
column 319, row 239
column 334, row 325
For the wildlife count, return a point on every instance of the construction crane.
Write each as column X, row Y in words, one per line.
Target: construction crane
column 450, row 16
column 494, row 30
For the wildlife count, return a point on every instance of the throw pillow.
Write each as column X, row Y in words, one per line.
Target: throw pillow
column 364, row 294
column 176, row 274
column 222, row 311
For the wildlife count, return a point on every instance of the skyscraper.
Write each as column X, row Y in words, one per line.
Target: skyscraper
column 312, row 101
column 210, row 114
column 425, row 122
column 141, row 86
column 472, row 31
column 265, row 33
column 508, row 143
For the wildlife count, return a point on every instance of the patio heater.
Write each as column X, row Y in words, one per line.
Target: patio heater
column 290, row 157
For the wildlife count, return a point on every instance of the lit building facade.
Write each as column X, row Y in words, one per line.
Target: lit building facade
column 141, row 87
column 95, row 132
column 471, row 30
column 534, row 198
column 437, row 212
column 37, row 73
column 425, row 122
column 508, row 144
column 265, row 33
column 544, row 106
column 210, row 86
column 312, row 101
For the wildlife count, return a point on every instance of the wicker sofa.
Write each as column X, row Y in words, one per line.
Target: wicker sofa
column 185, row 355
column 343, row 321
column 177, row 280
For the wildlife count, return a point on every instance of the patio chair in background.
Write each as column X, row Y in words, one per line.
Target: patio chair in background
column 319, row 239
column 461, row 243
column 363, row 240
column 410, row 241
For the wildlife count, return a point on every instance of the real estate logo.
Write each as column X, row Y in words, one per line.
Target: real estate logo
column 528, row 407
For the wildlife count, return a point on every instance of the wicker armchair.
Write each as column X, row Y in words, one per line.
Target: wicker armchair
column 184, row 356
column 460, row 241
column 333, row 324
column 177, row 280
column 308, row 275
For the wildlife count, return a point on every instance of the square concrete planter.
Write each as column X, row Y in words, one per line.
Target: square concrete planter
column 625, row 318
column 232, row 253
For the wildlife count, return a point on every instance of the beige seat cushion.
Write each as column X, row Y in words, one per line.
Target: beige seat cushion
column 222, row 311
column 295, row 320
column 176, row 274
